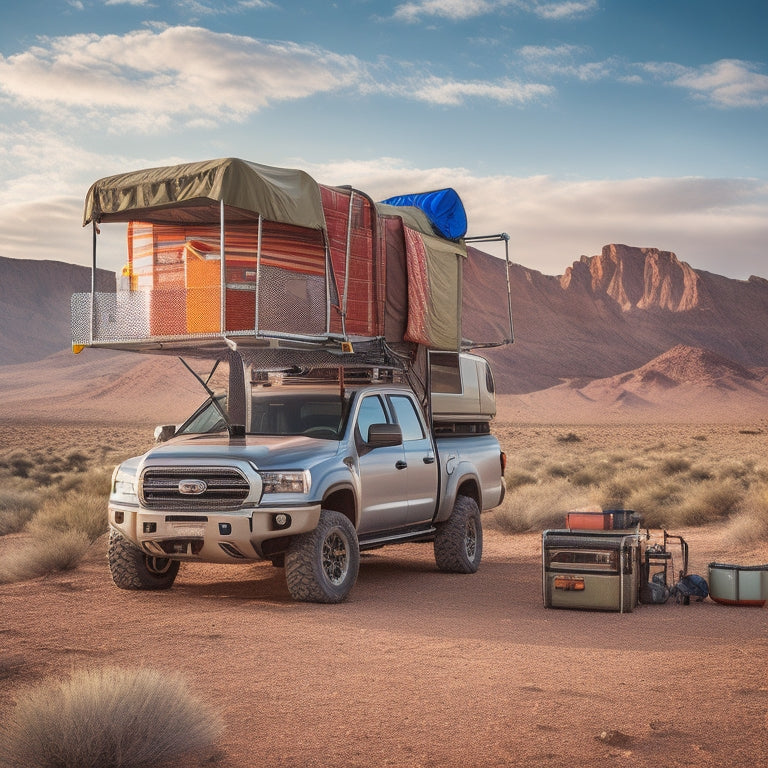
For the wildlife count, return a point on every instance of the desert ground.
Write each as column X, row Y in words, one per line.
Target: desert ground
column 417, row 668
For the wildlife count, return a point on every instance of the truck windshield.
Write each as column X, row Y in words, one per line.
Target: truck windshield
column 298, row 413
column 277, row 413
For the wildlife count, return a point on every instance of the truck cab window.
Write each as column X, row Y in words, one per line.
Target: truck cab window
column 407, row 418
column 371, row 412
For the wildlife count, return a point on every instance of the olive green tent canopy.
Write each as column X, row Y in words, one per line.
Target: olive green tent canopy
column 193, row 192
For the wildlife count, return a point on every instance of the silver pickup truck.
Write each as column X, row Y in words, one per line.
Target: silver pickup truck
column 318, row 472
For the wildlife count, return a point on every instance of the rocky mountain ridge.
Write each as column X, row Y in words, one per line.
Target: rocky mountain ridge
column 639, row 278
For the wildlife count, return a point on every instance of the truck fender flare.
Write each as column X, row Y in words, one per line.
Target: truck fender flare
column 464, row 472
column 343, row 490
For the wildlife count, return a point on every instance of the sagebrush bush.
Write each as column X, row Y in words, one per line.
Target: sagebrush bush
column 107, row 718
column 16, row 509
column 18, row 463
column 537, row 507
column 708, row 502
column 50, row 551
column 750, row 524
column 593, row 474
column 91, row 481
column 74, row 511
column 670, row 476
column 616, row 492
column 674, row 465
column 516, row 478
column 655, row 498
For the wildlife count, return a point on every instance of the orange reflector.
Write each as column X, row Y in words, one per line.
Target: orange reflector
column 569, row 583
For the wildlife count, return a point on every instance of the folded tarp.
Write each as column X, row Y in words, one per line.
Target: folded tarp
column 443, row 208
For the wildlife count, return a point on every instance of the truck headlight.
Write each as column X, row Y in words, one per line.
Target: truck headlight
column 289, row 481
column 124, row 486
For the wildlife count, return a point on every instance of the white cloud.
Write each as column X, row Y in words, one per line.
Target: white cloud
column 449, row 9
column 563, row 10
column 726, row 83
column 458, row 10
column 146, row 80
column 152, row 80
column 441, row 91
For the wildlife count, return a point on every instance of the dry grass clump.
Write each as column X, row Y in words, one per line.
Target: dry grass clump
column 79, row 511
column 750, row 523
column 107, row 718
column 51, row 551
column 16, row 509
column 94, row 481
column 709, row 502
column 516, row 478
column 537, row 507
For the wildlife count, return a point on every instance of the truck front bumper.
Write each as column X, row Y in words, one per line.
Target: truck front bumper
column 214, row 537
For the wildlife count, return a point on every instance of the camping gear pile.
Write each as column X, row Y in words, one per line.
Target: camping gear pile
column 603, row 561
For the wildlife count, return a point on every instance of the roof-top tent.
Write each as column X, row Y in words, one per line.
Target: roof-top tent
column 311, row 269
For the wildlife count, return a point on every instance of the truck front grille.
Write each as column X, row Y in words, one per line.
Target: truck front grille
column 221, row 488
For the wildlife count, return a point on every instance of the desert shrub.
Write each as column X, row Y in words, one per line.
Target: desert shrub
column 674, row 465
column 76, row 461
column 736, row 470
column 78, row 511
column 562, row 469
column 94, row 481
column 750, row 523
column 49, row 552
column 514, row 478
column 107, row 718
column 16, row 508
column 708, row 502
column 655, row 500
column 593, row 474
column 571, row 437
column 700, row 472
column 536, row 507
column 19, row 464
column 616, row 492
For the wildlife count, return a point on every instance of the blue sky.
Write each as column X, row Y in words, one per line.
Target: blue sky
column 569, row 124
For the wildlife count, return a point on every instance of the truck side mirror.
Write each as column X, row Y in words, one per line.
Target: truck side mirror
column 382, row 435
column 164, row 432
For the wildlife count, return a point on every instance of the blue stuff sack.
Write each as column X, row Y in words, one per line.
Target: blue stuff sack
column 690, row 586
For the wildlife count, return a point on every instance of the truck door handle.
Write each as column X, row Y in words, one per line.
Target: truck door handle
column 401, row 464
column 429, row 459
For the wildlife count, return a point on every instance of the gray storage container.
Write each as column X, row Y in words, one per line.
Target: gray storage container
column 738, row 584
column 591, row 570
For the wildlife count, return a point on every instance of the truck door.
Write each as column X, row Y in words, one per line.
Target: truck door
column 384, row 502
column 421, row 470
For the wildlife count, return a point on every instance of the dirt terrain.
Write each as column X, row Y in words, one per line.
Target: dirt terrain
column 418, row 668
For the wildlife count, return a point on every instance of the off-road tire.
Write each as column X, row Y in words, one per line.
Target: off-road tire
column 132, row 569
column 459, row 540
column 321, row 566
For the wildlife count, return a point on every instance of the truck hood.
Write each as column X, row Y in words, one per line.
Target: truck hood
column 263, row 452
